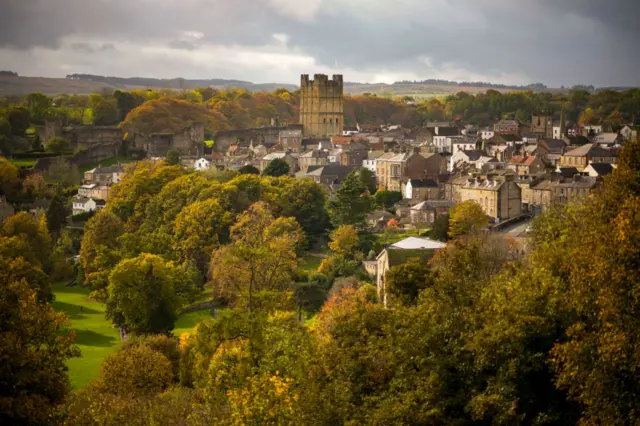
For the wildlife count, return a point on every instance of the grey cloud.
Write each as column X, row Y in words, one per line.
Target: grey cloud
column 538, row 38
column 83, row 47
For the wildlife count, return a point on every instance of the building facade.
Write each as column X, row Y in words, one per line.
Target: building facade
column 321, row 105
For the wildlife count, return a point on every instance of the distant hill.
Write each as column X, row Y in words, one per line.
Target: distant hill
column 83, row 84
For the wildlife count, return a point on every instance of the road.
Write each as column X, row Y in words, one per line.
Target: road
column 517, row 229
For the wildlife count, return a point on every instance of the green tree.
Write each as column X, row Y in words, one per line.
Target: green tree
column 173, row 157
column 260, row 259
column 57, row 214
column 19, row 119
column 5, row 128
column 440, row 229
column 276, row 168
column 467, row 218
column 58, row 145
column 103, row 110
column 125, row 102
column 404, row 282
column 351, row 203
column 146, row 294
column 387, row 199
column 34, row 350
column 38, row 106
column 248, row 170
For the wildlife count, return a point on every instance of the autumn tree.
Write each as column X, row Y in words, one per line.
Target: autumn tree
column 344, row 239
column 99, row 250
column 146, row 293
column 467, row 218
column 200, row 228
column 135, row 370
column 352, row 202
column 260, row 259
column 276, row 168
column 34, row 349
column 9, row 180
column 34, row 233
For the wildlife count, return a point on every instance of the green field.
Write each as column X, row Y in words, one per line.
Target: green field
column 23, row 162
column 105, row 163
column 95, row 336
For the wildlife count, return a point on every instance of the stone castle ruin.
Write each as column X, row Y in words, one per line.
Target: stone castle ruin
column 189, row 142
column 94, row 143
column 321, row 105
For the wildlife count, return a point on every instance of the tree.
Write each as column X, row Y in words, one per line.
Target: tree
column 125, row 102
column 57, row 214
column 38, row 105
column 261, row 257
column 135, row 371
column 387, row 199
column 9, row 179
column 200, row 228
column 19, row 119
column 173, row 157
column 276, row 168
column 34, row 233
column 351, row 203
column 440, row 229
column 34, row 349
column 344, row 240
column 249, row 170
column 467, row 218
column 404, row 282
column 146, row 294
column 5, row 128
column 58, row 145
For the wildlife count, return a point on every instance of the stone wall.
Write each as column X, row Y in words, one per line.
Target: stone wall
column 189, row 142
column 82, row 136
column 259, row 136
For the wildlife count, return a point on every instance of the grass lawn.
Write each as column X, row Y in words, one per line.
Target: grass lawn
column 105, row 163
column 188, row 321
column 23, row 162
column 94, row 333
column 310, row 263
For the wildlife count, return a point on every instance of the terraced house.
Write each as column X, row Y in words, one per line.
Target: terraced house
column 394, row 168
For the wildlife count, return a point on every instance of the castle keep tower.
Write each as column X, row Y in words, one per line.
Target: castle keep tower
column 321, row 106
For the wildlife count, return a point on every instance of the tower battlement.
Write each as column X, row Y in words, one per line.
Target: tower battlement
column 321, row 105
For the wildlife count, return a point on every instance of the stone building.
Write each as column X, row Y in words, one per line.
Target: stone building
column 499, row 196
column 584, row 155
column 542, row 124
column 321, row 105
column 312, row 158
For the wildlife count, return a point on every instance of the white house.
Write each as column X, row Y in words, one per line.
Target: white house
column 628, row 133
column 202, row 164
column 369, row 163
column 461, row 143
column 487, row 134
column 597, row 128
column 83, row 204
column 557, row 132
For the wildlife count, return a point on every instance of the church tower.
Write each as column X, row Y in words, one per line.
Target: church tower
column 321, row 106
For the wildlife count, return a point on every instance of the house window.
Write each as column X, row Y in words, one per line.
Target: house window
column 325, row 121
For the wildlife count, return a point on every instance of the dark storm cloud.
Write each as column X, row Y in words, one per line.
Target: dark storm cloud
column 553, row 41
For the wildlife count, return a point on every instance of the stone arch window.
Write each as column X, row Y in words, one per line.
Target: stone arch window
column 331, row 121
column 324, row 121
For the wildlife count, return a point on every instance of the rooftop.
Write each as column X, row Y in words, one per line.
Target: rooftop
column 413, row 243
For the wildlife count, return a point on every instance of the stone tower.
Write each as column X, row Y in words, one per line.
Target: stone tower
column 321, row 106
column 542, row 124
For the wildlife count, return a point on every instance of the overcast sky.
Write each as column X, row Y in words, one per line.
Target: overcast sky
column 556, row 42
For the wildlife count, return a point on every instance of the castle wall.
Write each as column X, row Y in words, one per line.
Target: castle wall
column 321, row 105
